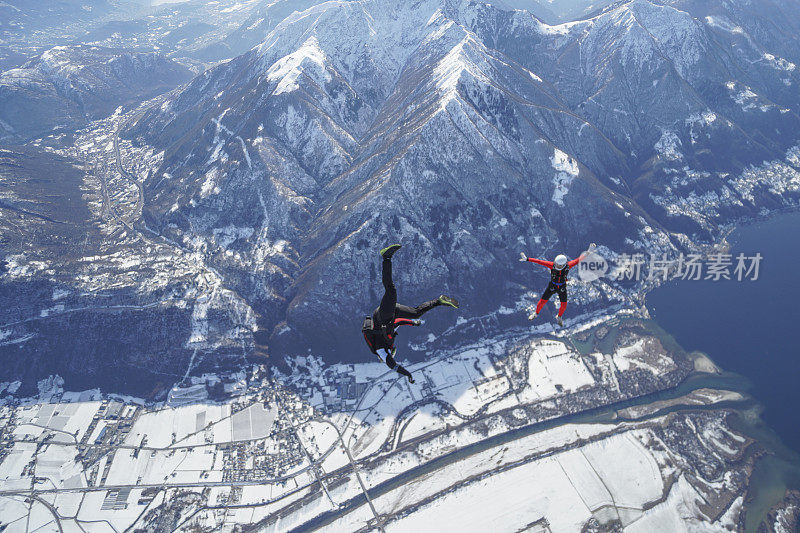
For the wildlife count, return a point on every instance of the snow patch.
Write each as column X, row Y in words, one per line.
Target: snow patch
column 60, row 293
column 230, row 234
column 667, row 146
column 724, row 24
column 746, row 98
column 793, row 156
column 566, row 170
column 698, row 120
column 778, row 63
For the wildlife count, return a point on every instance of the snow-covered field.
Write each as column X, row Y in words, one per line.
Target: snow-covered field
column 311, row 441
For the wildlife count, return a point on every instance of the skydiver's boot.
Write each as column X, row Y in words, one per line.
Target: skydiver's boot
column 417, row 322
column 446, row 300
column 389, row 251
column 560, row 321
column 533, row 316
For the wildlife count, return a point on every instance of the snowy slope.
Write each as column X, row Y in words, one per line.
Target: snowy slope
column 450, row 124
column 68, row 86
column 467, row 131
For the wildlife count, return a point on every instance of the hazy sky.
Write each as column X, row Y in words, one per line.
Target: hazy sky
column 551, row 10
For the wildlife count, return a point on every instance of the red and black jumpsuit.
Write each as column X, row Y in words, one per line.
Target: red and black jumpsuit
column 558, row 283
column 390, row 315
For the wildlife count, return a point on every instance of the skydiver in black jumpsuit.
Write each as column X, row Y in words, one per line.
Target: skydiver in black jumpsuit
column 389, row 315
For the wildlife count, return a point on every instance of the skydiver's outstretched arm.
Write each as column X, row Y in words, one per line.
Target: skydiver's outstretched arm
column 523, row 257
column 576, row 260
column 407, row 322
column 582, row 256
column 548, row 264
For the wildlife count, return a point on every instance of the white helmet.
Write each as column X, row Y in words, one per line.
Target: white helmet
column 560, row 262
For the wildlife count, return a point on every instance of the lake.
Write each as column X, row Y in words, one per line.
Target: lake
column 747, row 327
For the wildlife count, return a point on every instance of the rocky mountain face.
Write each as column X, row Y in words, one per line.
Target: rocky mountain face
column 260, row 19
column 241, row 213
column 467, row 132
column 67, row 87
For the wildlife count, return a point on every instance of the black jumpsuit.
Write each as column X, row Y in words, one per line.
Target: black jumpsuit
column 390, row 314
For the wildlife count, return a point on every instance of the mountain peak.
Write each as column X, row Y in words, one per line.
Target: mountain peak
column 353, row 121
column 308, row 58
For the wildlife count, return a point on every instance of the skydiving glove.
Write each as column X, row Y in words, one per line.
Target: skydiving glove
column 417, row 322
column 591, row 248
column 522, row 256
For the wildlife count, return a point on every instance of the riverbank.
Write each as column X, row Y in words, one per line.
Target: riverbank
column 748, row 328
column 705, row 390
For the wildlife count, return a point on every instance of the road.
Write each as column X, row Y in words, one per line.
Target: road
column 137, row 209
column 354, row 467
column 596, row 415
column 367, row 495
column 208, row 289
column 109, row 205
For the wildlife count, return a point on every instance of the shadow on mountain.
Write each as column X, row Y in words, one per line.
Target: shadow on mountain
column 51, row 323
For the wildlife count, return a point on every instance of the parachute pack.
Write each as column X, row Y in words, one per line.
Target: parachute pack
column 370, row 334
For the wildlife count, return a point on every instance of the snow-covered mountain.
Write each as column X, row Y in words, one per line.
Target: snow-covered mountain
column 66, row 87
column 241, row 214
column 209, row 243
column 468, row 132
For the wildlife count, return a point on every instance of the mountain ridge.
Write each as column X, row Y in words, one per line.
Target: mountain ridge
column 465, row 131
column 431, row 58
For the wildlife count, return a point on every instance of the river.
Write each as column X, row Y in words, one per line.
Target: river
column 602, row 414
column 744, row 327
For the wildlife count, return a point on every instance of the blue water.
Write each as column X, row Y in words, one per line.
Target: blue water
column 748, row 327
